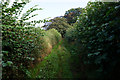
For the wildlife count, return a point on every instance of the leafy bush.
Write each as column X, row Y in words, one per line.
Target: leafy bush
column 70, row 34
column 18, row 45
column 72, row 15
column 11, row 15
column 98, row 32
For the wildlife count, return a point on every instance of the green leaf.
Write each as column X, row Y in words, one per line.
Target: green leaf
column 97, row 53
column 9, row 63
column 4, row 64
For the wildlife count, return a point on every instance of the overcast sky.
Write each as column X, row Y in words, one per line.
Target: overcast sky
column 53, row 8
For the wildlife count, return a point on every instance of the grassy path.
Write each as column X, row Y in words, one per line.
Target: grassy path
column 55, row 65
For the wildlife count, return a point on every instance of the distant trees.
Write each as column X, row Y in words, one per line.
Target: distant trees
column 72, row 15
column 60, row 24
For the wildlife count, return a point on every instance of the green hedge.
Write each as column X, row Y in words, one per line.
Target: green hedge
column 22, row 46
column 98, row 32
column 71, row 34
column 18, row 48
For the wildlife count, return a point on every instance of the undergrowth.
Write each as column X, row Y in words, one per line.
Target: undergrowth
column 55, row 65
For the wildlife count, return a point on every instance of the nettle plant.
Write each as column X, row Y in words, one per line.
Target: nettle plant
column 20, row 44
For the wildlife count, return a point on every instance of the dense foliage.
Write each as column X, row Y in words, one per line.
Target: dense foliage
column 60, row 24
column 95, row 32
column 72, row 15
column 20, row 47
column 70, row 34
column 12, row 14
column 48, row 67
column 20, row 44
column 98, row 32
column 50, row 39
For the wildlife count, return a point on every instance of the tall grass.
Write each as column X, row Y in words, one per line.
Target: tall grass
column 50, row 39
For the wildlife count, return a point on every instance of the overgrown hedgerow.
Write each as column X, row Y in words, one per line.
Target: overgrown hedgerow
column 98, row 32
column 18, row 48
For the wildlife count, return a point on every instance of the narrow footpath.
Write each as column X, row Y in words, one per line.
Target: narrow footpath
column 58, row 64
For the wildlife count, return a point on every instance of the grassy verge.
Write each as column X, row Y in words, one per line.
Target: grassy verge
column 49, row 40
column 55, row 65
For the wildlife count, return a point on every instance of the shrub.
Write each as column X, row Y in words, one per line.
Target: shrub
column 18, row 44
column 98, row 32
column 72, row 15
column 70, row 34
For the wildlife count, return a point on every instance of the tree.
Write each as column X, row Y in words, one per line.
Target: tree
column 72, row 15
column 60, row 24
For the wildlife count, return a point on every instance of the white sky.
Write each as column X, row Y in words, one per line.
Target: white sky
column 53, row 8
column 60, row 0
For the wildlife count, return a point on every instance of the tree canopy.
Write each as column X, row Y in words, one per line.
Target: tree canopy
column 72, row 15
column 60, row 24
